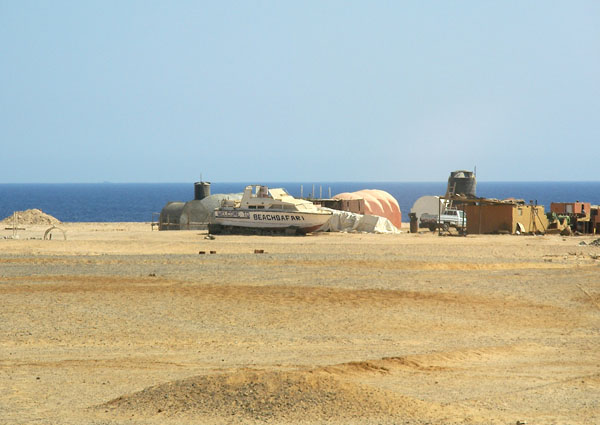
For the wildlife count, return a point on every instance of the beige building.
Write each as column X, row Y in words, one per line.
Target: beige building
column 490, row 216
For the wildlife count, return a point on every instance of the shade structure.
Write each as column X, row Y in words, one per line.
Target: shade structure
column 377, row 202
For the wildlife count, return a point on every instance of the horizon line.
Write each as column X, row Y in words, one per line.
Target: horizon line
column 304, row 182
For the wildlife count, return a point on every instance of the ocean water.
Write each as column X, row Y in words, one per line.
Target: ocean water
column 114, row 202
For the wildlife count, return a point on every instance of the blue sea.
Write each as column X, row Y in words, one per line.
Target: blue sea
column 115, row 202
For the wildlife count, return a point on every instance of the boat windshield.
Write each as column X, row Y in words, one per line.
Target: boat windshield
column 262, row 192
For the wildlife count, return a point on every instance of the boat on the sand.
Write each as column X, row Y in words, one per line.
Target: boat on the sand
column 268, row 211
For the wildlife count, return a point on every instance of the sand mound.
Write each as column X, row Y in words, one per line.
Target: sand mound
column 384, row 366
column 31, row 217
column 268, row 395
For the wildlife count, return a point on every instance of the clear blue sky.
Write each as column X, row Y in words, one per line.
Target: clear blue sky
column 251, row 91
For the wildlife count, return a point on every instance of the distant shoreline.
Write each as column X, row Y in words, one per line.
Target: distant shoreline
column 305, row 182
column 141, row 202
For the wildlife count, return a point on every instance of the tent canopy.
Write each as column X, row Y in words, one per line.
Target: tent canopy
column 377, row 202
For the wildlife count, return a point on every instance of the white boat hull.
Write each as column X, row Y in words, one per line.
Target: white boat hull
column 271, row 220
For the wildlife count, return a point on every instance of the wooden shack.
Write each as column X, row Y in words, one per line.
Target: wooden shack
column 508, row 217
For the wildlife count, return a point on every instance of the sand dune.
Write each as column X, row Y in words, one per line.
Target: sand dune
column 268, row 395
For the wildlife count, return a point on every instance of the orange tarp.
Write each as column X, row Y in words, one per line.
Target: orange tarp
column 377, row 202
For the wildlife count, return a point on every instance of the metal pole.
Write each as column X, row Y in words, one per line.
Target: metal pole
column 440, row 217
column 464, row 229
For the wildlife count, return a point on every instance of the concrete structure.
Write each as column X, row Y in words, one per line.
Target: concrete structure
column 595, row 219
column 489, row 216
column 195, row 214
column 201, row 190
column 170, row 216
column 582, row 216
column 462, row 182
column 579, row 208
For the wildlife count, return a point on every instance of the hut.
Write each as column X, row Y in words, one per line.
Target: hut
column 504, row 217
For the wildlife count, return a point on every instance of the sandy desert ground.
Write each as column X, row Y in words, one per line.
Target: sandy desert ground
column 119, row 324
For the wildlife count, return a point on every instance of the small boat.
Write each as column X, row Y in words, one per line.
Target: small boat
column 268, row 211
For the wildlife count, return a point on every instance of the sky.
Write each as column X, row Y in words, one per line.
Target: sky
column 257, row 91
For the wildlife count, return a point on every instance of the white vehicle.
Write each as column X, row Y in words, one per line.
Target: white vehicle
column 449, row 218
column 428, row 204
column 264, row 211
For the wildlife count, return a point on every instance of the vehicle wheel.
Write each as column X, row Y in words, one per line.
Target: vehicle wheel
column 445, row 227
column 432, row 227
